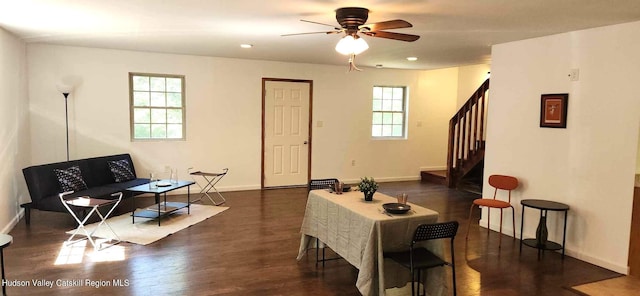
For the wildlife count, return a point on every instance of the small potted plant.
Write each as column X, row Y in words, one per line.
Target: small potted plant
column 368, row 186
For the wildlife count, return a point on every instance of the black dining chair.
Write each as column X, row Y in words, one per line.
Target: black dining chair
column 417, row 258
column 321, row 184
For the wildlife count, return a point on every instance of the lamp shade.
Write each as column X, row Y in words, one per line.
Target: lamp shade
column 64, row 88
column 351, row 45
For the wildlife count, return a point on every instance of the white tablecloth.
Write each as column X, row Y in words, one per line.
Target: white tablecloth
column 360, row 232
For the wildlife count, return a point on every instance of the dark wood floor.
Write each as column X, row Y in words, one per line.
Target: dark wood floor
column 250, row 249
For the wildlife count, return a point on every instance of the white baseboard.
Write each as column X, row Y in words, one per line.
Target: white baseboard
column 384, row 179
column 237, row 188
column 506, row 230
column 195, row 189
column 623, row 269
column 14, row 221
column 596, row 261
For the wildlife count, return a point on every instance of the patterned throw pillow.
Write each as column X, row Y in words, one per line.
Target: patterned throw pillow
column 70, row 179
column 121, row 170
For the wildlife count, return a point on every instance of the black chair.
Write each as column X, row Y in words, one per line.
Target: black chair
column 417, row 258
column 321, row 184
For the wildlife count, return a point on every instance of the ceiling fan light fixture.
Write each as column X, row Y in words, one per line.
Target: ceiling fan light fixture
column 359, row 45
column 350, row 45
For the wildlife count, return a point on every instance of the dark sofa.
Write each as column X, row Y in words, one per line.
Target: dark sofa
column 44, row 186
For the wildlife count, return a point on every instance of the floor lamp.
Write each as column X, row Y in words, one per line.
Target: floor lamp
column 66, row 90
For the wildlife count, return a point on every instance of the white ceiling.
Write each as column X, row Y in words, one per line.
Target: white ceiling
column 454, row 32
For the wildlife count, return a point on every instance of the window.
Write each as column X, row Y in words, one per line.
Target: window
column 389, row 112
column 157, row 106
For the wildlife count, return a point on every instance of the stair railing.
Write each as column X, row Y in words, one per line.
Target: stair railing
column 467, row 134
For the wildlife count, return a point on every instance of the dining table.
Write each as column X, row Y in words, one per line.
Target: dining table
column 360, row 232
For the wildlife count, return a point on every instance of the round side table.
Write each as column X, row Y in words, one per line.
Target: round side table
column 5, row 241
column 543, row 206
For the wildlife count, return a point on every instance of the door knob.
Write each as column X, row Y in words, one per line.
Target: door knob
column 305, row 142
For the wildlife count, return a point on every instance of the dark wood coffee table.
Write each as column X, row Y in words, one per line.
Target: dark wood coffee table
column 164, row 208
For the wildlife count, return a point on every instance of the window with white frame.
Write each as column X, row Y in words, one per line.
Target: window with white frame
column 157, row 106
column 389, row 112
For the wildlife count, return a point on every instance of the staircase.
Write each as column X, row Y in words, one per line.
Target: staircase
column 465, row 157
column 437, row 177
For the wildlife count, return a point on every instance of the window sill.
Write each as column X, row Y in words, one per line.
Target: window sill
column 388, row 138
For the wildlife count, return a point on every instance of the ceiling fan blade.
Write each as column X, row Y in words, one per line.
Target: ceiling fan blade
column 393, row 24
column 309, row 33
column 394, row 36
column 312, row 22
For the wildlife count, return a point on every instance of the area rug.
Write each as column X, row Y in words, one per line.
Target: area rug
column 145, row 231
column 619, row 286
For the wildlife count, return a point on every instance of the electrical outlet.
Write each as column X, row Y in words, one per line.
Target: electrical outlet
column 419, row 124
column 353, row 162
column 320, row 123
column 574, row 75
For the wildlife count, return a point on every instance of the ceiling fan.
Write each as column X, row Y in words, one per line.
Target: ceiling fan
column 352, row 21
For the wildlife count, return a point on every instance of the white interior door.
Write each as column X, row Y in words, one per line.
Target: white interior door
column 286, row 133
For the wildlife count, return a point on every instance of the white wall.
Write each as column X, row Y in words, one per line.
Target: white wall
column 224, row 112
column 470, row 78
column 14, row 128
column 638, row 157
column 434, row 114
column 590, row 165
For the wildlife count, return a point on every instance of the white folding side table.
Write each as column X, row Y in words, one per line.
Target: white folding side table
column 5, row 241
column 94, row 204
column 212, row 179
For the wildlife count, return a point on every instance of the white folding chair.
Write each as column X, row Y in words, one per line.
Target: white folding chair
column 86, row 202
column 212, row 179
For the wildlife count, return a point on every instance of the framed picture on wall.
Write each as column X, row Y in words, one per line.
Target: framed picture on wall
column 553, row 110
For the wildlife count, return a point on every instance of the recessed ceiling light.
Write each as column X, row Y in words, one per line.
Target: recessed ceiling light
column 246, row 45
column 412, row 59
